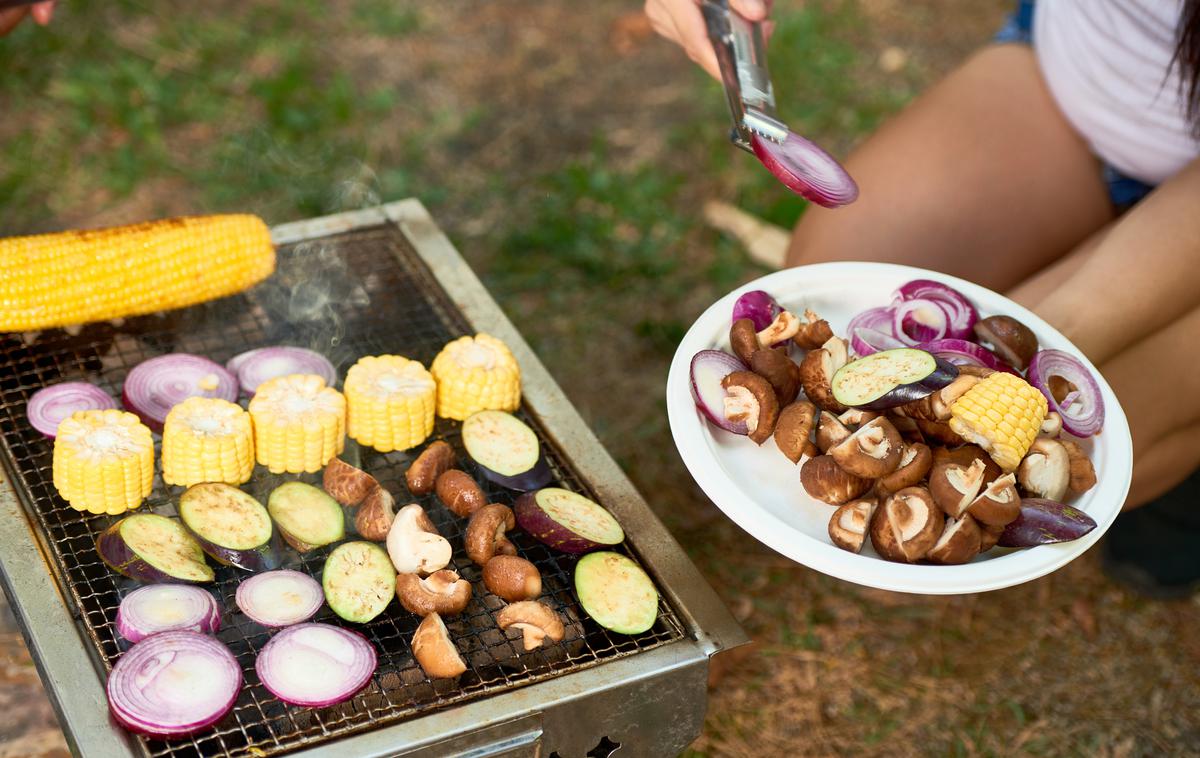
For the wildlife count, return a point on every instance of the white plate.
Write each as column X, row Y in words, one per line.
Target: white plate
column 760, row 489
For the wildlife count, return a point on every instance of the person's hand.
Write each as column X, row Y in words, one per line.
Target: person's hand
column 682, row 22
column 40, row 12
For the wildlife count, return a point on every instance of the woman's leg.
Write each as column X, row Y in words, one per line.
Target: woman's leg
column 981, row 177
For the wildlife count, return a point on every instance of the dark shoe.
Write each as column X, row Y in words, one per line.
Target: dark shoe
column 1155, row 550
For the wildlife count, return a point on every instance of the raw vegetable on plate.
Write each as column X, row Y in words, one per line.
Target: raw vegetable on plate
column 103, row 461
column 475, row 374
column 207, row 439
column 299, row 423
column 153, row 548
column 315, row 665
column 230, row 525
column 506, row 450
column 173, row 684
column 159, row 608
column 75, row 277
column 49, row 406
column 389, row 402
column 155, row 386
column 254, row 367
column 307, row 517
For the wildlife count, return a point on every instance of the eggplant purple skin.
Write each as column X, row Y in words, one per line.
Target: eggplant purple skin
column 120, row 558
column 538, row 524
column 1045, row 522
column 262, row 558
column 945, row 373
column 531, row 479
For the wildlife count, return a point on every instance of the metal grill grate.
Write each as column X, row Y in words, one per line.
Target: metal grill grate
column 360, row 293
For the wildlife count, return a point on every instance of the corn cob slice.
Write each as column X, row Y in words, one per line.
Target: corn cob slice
column 476, row 374
column 103, row 461
column 389, row 402
column 207, row 439
column 299, row 423
column 1002, row 414
column 69, row 278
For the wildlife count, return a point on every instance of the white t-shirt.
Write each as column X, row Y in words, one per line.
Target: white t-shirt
column 1108, row 65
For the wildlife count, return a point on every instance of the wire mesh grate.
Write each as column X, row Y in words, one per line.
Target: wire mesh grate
column 364, row 292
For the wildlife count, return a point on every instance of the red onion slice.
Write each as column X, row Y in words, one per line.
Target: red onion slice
column 50, row 405
column 315, row 665
column 159, row 608
column 872, row 331
column 708, row 368
column 758, row 306
column 964, row 353
column 806, row 170
column 156, row 386
column 254, row 367
column 279, row 598
column 961, row 313
column 1083, row 416
column 919, row 320
column 173, row 684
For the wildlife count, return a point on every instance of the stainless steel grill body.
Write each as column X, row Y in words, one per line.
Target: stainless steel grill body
column 378, row 281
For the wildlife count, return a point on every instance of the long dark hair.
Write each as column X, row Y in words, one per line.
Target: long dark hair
column 1187, row 57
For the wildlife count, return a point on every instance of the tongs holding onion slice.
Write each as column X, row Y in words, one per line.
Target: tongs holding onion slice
column 806, row 169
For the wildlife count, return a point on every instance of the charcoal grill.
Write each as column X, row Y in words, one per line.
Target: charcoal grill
column 367, row 282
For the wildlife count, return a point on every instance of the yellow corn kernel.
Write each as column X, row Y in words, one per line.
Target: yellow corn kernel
column 68, row 278
column 476, row 374
column 389, row 402
column 207, row 439
column 103, row 461
column 1002, row 414
column 299, row 423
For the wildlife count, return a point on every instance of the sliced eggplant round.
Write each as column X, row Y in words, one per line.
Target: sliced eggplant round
column 230, row 525
column 153, row 548
column 890, row 378
column 616, row 592
column 359, row 581
column 506, row 450
column 307, row 517
column 567, row 521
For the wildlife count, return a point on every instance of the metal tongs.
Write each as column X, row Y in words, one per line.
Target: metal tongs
column 742, row 55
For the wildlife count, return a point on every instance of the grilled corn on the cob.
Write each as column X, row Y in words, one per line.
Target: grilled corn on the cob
column 389, row 402
column 476, row 374
column 69, row 278
column 299, row 423
column 1002, row 414
column 103, row 461
column 207, row 439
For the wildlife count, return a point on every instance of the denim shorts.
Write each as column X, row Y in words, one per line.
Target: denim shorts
column 1124, row 191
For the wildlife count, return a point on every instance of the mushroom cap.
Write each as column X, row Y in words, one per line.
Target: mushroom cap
column 485, row 533
column 442, row 592
column 422, row 475
column 964, row 455
column 999, row 504
column 345, row 483
column 939, row 432
column 793, row 428
column 1083, row 473
column 1008, row 338
column 823, row 479
column 537, row 622
column 813, row 333
column 871, row 451
column 830, row 431
column 816, row 375
column 1045, row 471
column 959, row 543
column 512, row 578
column 459, row 492
column 761, row 419
column 375, row 514
column 856, row 417
column 779, row 370
column 907, row 525
column 414, row 544
column 849, row 524
column 434, row 651
column 915, row 462
column 988, row 536
column 955, row 486
column 743, row 339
